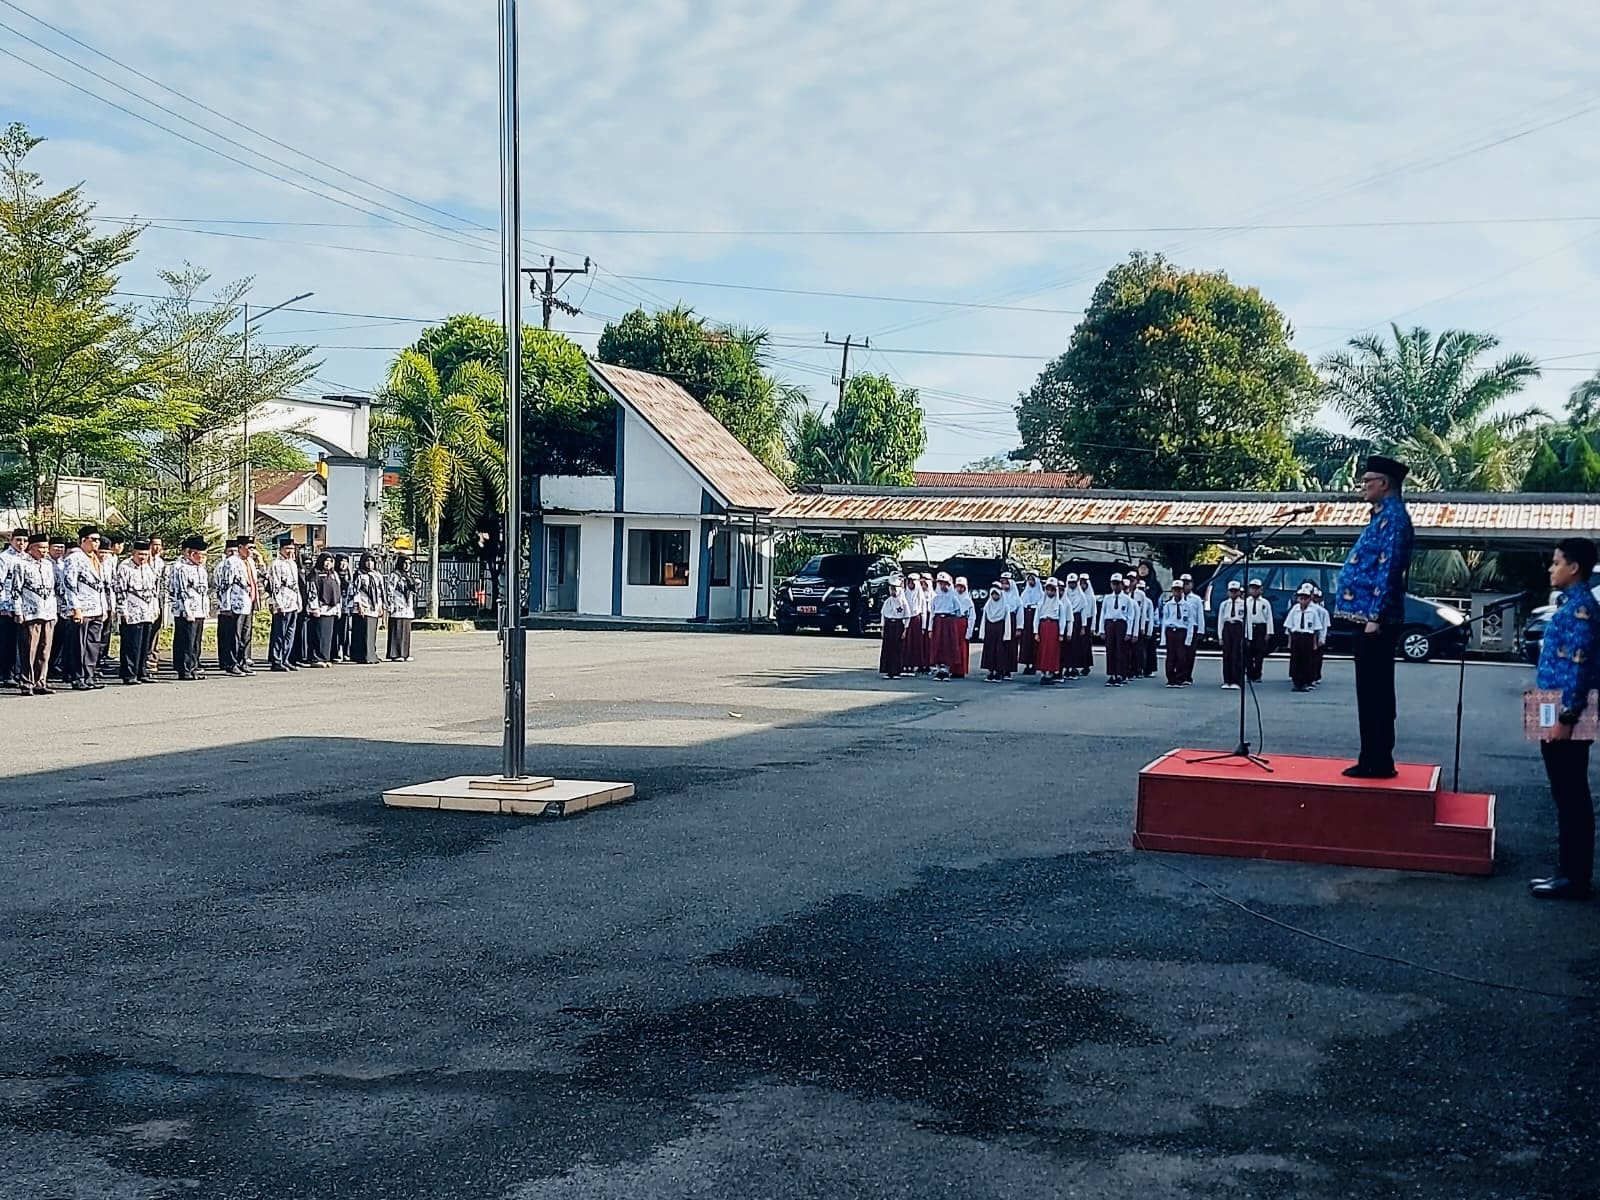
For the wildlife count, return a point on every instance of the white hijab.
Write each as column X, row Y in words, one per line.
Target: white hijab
column 997, row 611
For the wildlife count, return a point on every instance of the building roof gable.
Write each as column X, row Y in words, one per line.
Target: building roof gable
column 730, row 472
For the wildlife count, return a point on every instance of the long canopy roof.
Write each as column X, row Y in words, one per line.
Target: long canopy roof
column 1461, row 519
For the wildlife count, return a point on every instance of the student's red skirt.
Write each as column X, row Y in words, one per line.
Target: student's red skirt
column 949, row 640
column 1049, row 646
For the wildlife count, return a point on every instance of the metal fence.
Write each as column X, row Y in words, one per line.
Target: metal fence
column 465, row 589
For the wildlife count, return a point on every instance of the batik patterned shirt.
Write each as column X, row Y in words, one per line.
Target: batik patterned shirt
column 1372, row 584
column 1566, row 659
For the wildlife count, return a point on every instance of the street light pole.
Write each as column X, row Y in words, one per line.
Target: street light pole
column 247, row 510
column 513, row 636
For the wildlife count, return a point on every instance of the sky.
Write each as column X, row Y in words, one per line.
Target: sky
column 1359, row 162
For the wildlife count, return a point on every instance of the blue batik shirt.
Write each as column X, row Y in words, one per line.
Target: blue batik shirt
column 1372, row 583
column 1566, row 659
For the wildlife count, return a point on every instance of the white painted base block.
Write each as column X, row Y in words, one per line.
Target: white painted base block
column 477, row 793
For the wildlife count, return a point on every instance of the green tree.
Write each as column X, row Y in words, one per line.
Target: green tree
column 992, row 464
column 720, row 366
column 73, row 365
column 1486, row 454
column 1390, row 389
column 464, row 338
column 874, row 436
column 450, row 462
column 1173, row 379
column 568, row 426
column 209, row 394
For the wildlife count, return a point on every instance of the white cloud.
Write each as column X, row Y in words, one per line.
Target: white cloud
column 894, row 114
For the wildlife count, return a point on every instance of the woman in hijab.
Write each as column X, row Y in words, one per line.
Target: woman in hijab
column 365, row 602
column 894, row 616
column 999, row 629
column 325, row 607
column 402, row 602
column 341, row 621
column 1048, row 620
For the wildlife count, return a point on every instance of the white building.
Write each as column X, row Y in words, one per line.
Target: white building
column 680, row 531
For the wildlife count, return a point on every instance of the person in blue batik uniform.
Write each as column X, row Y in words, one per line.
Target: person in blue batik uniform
column 1372, row 595
column 1567, row 664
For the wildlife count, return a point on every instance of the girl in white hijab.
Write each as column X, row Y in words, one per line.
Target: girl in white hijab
column 999, row 628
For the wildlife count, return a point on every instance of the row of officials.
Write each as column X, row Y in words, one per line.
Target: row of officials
column 61, row 611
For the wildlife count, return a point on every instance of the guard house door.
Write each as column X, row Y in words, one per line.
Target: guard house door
column 561, row 568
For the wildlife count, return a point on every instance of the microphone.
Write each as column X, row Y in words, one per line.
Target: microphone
column 1296, row 512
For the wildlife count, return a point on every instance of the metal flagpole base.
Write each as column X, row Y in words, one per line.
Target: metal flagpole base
column 532, row 796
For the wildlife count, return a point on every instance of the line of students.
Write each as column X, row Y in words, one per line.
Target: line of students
column 1048, row 629
column 60, row 611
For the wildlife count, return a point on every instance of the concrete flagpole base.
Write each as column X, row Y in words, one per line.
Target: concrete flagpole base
column 532, row 796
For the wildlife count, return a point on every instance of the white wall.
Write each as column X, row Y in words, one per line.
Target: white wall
column 354, row 518
column 578, row 493
column 654, row 480
column 594, row 566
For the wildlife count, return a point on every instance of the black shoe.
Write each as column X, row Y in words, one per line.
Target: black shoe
column 1561, row 889
column 79, row 685
column 1362, row 772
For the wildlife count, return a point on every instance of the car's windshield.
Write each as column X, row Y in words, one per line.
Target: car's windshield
column 834, row 566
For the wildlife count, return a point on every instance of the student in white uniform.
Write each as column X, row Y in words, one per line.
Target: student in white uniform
column 1258, row 630
column 1178, row 634
column 1115, row 625
column 1303, row 626
column 1230, row 633
column 893, row 618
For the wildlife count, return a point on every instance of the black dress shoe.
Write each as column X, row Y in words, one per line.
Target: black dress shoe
column 1561, row 889
column 1360, row 772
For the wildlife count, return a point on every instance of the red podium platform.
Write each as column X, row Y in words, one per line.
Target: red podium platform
column 1304, row 810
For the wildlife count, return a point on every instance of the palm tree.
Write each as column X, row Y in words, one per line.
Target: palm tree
column 1583, row 404
column 1392, row 390
column 450, row 457
column 1483, row 455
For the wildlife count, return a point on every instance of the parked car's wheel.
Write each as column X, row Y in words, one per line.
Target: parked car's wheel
column 788, row 625
column 1415, row 644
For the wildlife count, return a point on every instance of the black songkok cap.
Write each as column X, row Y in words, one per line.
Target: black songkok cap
column 1379, row 464
column 194, row 543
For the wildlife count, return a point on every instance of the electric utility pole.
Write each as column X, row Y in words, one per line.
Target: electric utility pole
column 547, row 295
column 844, row 362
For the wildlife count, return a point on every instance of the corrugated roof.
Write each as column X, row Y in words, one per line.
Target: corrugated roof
column 1461, row 516
column 731, row 472
column 987, row 480
column 274, row 487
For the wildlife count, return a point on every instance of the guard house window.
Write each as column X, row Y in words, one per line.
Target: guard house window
column 721, row 556
column 658, row 557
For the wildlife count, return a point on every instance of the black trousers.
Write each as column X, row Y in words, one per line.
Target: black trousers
column 8, row 650
column 186, row 639
column 1303, row 666
column 61, row 650
column 1257, row 658
column 341, row 636
column 227, row 642
column 91, row 641
column 280, row 649
column 1375, row 705
column 134, row 661
column 1567, row 765
column 1233, row 652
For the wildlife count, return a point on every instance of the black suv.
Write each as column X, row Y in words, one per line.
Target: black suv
column 982, row 574
column 834, row 590
column 1430, row 629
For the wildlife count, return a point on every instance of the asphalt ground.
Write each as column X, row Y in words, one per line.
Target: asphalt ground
column 853, row 939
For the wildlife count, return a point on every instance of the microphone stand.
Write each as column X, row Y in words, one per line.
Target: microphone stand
column 1242, row 750
column 1498, row 606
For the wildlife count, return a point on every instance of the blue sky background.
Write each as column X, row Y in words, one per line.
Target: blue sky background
column 745, row 122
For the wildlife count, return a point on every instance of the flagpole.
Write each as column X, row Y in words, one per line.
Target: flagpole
column 513, row 636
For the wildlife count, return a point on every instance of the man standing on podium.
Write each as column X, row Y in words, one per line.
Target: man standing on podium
column 1372, row 596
